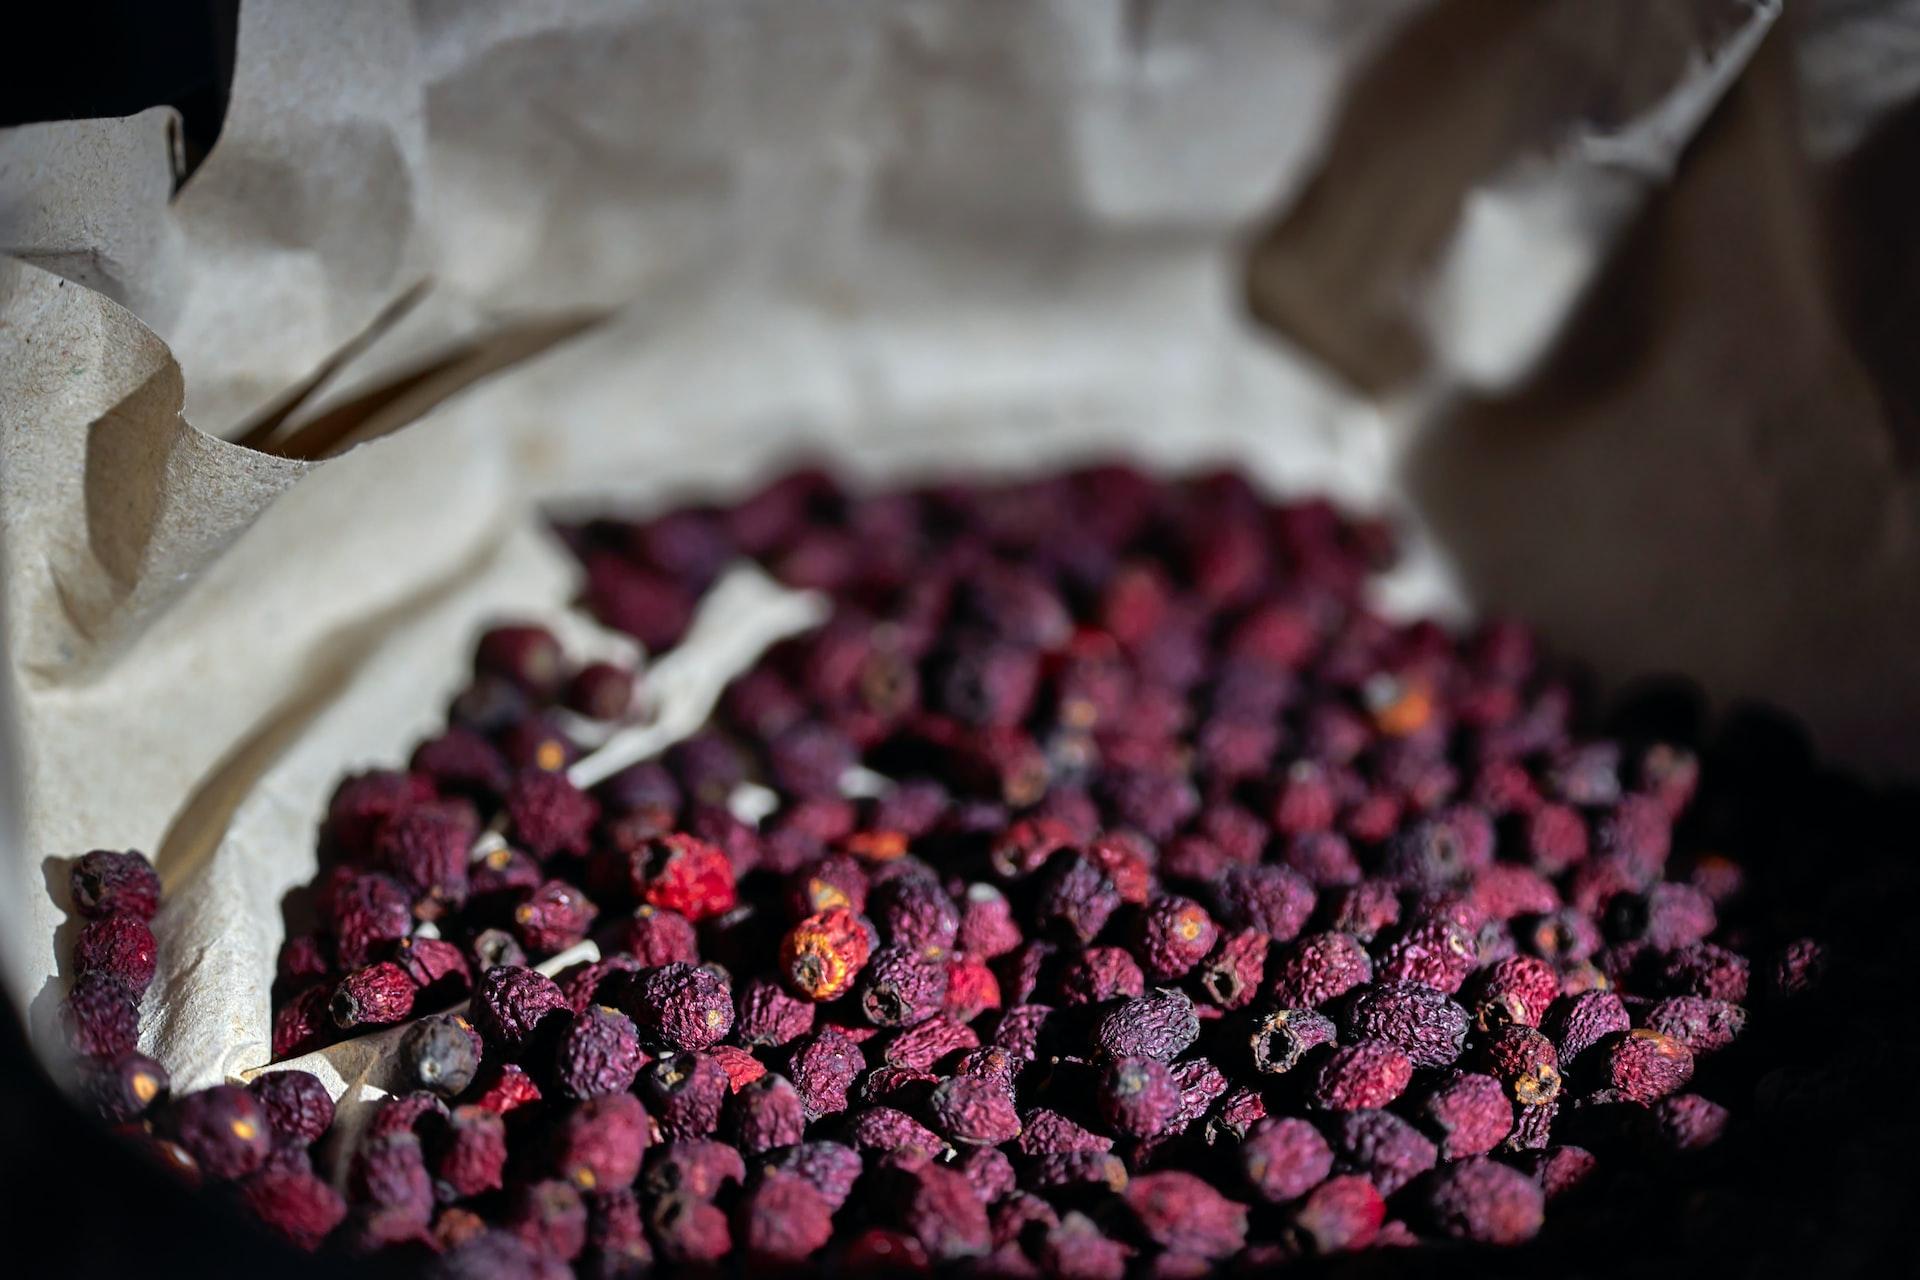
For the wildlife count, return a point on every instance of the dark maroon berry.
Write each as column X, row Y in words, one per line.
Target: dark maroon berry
column 223, row 1128
column 512, row 1005
column 298, row 1108
column 296, row 1205
column 101, row 1017
column 105, row 883
column 375, row 996
column 685, row 1095
column 125, row 1088
column 1483, row 1201
column 441, row 1055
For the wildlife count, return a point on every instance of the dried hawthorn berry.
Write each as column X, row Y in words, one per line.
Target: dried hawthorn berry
column 1076, row 897
column 1099, row 974
column 1161, row 1024
column 938, row 1208
column 1704, row 1026
column 549, row 816
column 300, row 1024
column 1483, row 1201
column 101, row 1017
column 831, row 1168
column 887, row 1129
column 1281, row 1039
column 1182, row 1214
column 1172, row 935
column 1516, row 991
column 1366, row 910
column 766, row 1115
column 1317, row 969
column 461, row 762
column 223, row 1128
column 1284, row 1158
column 376, row 996
column 1645, row 1065
column 1341, row 1214
column 1231, row 976
column 493, row 948
column 600, row 691
column 990, row 1172
column 783, row 1220
column 1799, row 969
column 550, row 1217
column 298, row 1108
column 436, row 968
column 915, row 912
column 1558, row 1170
column 362, row 804
column 685, row 1095
column 1579, row 1023
column 1468, row 1113
column 686, row 874
column 680, row 1006
column 1418, row 1020
column 106, row 883
column 426, row 850
column 1367, row 1074
column 655, row 936
column 125, row 1088
column 617, row 1245
column 525, row 654
column 821, row 956
column 1388, row 1150
column 470, row 1157
column 369, row 914
column 973, row 1111
column 405, row 1112
column 689, row 1231
column 987, row 927
column 972, row 989
column 918, row 1048
column 836, row 880
column 1139, row 1097
column 1078, row 1248
column 117, row 946
column 553, row 917
column 699, row 1170
column 512, row 1005
column 1706, row 970
column 1683, row 1122
column 901, row 987
column 765, row 1015
column 1437, row 953
column 742, row 1068
column 1526, row 1062
column 601, row 1141
column 598, row 1054
column 822, row 1067
column 297, row 1206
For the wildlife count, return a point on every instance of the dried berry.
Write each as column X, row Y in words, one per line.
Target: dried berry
column 902, row 987
column 471, row 1154
column 1516, row 991
column 299, row 1025
column 369, row 914
column 1705, row 970
column 1340, row 1214
column 1645, row 1065
column 1076, row 897
column 1173, row 935
column 1281, row 1039
column 1483, row 1201
column 1370, row 1073
column 298, row 1206
column 1579, row 1023
column 117, row 946
column 553, row 917
column 124, row 1089
column 1285, row 1158
column 1684, row 1122
column 426, row 851
column 937, row 1207
column 525, row 654
column 680, row 1006
column 376, row 996
column 1388, row 1150
column 783, row 1220
column 617, row 1244
column 105, row 883
column 550, row 1217
column 297, row 1107
column 600, row 1142
column 1232, row 975
column 823, row 1066
column 1317, row 969
column 1418, row 1020
column 599, row 1054
column 821, row 956
column 1437, row 953
column 549, row 816
column 1526, row 1062
column 223, row 1128
column 886, row 1129
column 1182, row 1214
column 437, row 969
column 766, row 1115
column 1468, row 1113
column 1160, row 1025
column 1703, row 1025
column 689, row 1231
column 919, row 1048
column 512, row 1005
column 101, row 1017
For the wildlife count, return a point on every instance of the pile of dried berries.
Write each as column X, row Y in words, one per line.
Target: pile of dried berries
column 1131, row 897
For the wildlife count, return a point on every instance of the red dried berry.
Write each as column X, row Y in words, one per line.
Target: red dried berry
column 427, row 850
column 1683, row 1122
column 369, row 914
column 1704, row 1026
column 599, row 1054
column 1282, row 1038
column 1645, row 1065
column 1703, row 969
column 1173, row 935
column 471, row 1154
column 1526, row 1062
column 887, row 1129
column 1368, row 1074
column 742, row 1068
column 1339, row 1215
column 766, row 1115
column 601, row 1141
column 938, row 1208
column 1437, row 953
column 689, row 1231
column 1418, row 1020
column 1483, row 1201
column 550, row 1217
column 438, row 969
column 1366, row 910
column 698, row 1170
column 101, row 1017
column 376, row 996
column 1283, row 1159
column 1317, row 969
column 512, row 1006
column 1516, row 991
column 783, row 1220
column 600, row 691
column 1388, row 1150
column 554, row 917
column 1579, row 1023
column 688, row 875
column 823, row 1066
column 1232, row 975
column 297, row 1206
column 680, row 1006
column 974, row 1112
column 105, row 883
column 821, row 956
column 297, row 1107
column 549, row 816
column 505, row 1088
column 363, row 803
column 902, row 988
column 685, row 1095
column 617, row 1244
column 301, row 1024
column 1468, row 1113
column 117, row 946
column 1182, row 1214
column 223, row 1128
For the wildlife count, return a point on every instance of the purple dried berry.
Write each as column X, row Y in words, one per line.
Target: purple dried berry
column 105, row 883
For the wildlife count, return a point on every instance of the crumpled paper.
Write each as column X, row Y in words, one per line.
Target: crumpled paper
column 275, row 436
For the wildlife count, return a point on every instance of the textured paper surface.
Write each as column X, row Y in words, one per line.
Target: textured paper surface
column 521, row 254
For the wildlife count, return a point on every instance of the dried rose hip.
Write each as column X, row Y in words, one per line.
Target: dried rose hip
column 117, row 946
column 105, row 883
column 512, row 1005
column 1161, row 1025
column 680, row 1006
column 901, row 987
column 1369, row 1073
column 298, row 1108
column 821, row 956
column 375, row 996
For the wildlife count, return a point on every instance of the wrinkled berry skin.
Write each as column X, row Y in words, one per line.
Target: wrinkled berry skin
column 783, row 1220
column 1483, row 1201
column 1159, row 1025
column 1516, row 991
column 1138, row 1097
column 1704, row 1026
column 601, row 1141
column 1173, row 935
column 117, row 946
column 1526, row 1062
column 549, row 816
column 298, row 1206
column 298, row 1109
column 688, row 875
column 1646, row 1066
column 901, row 987
column 1388, row 1150
column 823, row 1067
column 512, row 1005
column 125, row 1088
column 822, row 955
column 1418, row 1020
column 376, row 996
column 685, row 1094
column 766, row 1115
column 471, row 1158
column 974, row 1112
column 426, row 851
column 680, row 1006
column 105, row 883
column 937, row 1207
column 1578, row 1024
column 1437, row 953
column 1183, row 1215
column 1341, row 1214
column 101, row 1017
column 1367, row 1074
column 1705, row 970
column 1468, row 1113
column 223, row 1128
column 598, row 1054
column 1319, row 969
column 553, row 917
column 369, row 914
column 1284, row 1158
